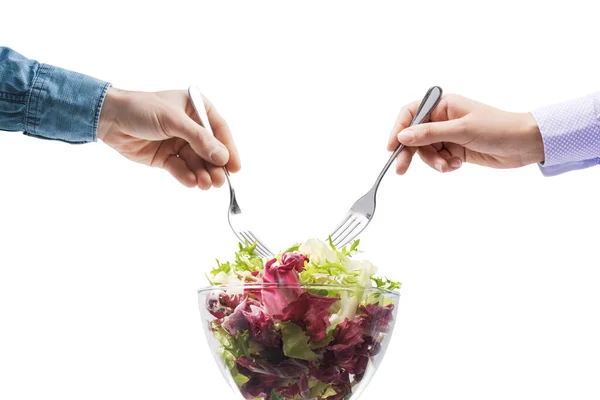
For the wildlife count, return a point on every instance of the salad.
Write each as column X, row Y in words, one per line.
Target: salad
column 302, row 325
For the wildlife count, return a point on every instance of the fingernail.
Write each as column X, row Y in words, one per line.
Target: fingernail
column 439, row 167
column 456, row 163
column 219, row 155
column 406, row 136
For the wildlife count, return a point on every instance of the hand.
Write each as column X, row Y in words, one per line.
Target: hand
column 462, row 130
column 162, row 130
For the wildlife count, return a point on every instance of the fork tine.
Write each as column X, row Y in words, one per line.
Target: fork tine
column 240, row 237
column 247, row 239
column 259, row 245
column 335, row 231
column 265, row 250
column 350, row 221
column 251, row 239
column 359, row 228
column 353, row 226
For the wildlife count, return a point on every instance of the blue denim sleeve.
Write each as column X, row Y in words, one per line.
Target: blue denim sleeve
column 48, row 102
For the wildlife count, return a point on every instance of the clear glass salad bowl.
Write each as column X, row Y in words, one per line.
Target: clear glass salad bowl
column 294, row 341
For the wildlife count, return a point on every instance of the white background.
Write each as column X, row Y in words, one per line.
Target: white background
column 100, row 258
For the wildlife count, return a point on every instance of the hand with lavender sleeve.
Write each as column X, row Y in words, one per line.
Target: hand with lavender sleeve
column 560, row 138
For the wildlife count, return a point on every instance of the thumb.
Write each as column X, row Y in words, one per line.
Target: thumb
column 433, row 132
column 202, row 142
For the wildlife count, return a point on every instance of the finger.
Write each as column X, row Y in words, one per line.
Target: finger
column 201, row 141
column 179, row 169
column 432, row 158
column 404, row 158
column 223, row 134
column 197, row 166
column 453, row 162
column 456, row 150
column 217, row 175
column 456, row 155
column 432, row 132
column 443, row 152
column 403, row 121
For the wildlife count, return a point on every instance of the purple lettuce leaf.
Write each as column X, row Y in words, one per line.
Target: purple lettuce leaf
column 376, row 318
column 310, row 311
column 250, row 316
column 289, row 368
column 284, row 273
column 221, row 304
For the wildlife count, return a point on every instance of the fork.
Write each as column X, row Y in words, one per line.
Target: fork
column 237, row 222
column 361, row 212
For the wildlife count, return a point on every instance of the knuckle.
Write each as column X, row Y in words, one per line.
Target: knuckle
column 424, row 132
column 202, row 138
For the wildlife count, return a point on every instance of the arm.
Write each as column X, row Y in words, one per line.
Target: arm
column 559, row 138
column 48, row 102
column 571, row 134
column 157, row 129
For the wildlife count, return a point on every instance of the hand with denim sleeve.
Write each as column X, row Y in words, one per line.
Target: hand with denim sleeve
column 157, row 129
column 162, row 130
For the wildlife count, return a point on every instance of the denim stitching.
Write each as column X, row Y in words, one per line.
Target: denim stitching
column 98, row 110
column 13, row 98
column 39, row 103
column 52, row 139
column 37, row 74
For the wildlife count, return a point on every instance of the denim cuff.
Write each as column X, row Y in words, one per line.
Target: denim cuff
column 64, row 105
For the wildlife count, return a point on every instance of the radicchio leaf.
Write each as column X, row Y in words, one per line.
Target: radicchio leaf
column 275, row 299
column 376, row 318
column 249, row 316
column 299, row 389
column 286, row 369
column 221, row 304
column 312, row 312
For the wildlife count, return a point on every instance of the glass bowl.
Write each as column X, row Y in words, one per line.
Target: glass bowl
column 292, row 341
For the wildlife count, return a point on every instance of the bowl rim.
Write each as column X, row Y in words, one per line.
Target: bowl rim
column 273, row 285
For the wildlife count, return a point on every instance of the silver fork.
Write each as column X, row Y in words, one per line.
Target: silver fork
column 362, row 211
column 238, row 223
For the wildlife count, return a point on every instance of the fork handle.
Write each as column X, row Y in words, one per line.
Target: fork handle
column 200, row 107
column 429, row 102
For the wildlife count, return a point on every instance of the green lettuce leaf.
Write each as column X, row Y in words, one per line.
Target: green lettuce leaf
column 295, row 342
column 246, row 260
column 318, row 389
column 232, row 347
column 385, row 283
column 292, row 248
column 353, row 248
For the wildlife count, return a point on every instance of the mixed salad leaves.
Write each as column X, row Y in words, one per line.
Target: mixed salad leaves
column 302, row 325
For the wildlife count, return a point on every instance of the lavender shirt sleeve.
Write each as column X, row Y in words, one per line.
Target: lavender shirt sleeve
column 571, row 134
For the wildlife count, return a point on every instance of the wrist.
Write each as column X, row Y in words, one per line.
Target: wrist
column 534, row 145
column 109, row 112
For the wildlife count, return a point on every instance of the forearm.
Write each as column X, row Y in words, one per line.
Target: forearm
column 48, row 102
column 571, row 134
